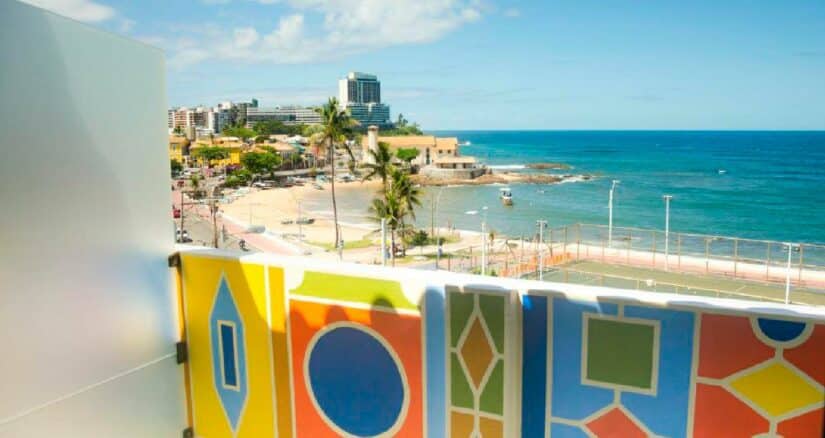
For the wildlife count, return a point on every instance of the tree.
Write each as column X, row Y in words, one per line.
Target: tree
column 389, row 207
column 259, row 163
column 210, row 154
column 381, row 164
column 401, row 122
column 176, row 166
column 407, row 155
column 408, row 193
column 336, row 125
column 238, row 131
column 178, row 130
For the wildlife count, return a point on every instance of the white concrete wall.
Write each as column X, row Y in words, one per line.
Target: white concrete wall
column 87, row 313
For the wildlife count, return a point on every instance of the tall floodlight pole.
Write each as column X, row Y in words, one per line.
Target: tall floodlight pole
column 435, row 221
column 541, row 224
column 790, row 247
column 483, row 238
column 667, row 199
column 610, row 214
column 484, row 241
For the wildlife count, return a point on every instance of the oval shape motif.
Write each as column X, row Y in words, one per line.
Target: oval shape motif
column 355, row 381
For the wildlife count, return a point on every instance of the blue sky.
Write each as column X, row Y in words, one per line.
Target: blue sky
column 488, row 64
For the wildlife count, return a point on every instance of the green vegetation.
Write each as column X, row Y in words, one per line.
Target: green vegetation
column 210, row 154
column 407, row 155
column 238, row 178
column 259, row 163
column 274, row 127
column 380, row 165
column 395, row 201
column 238, row 131
column 355, row 244
column 176, row 167
column 403, row 127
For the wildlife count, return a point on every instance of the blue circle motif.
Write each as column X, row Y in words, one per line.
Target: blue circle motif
column 355, row 381
column 779, row 330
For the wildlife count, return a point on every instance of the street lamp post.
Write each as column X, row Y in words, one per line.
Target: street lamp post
column 667, row 199
column 789, row 247
column 610, row 214
column 541, row 225
column 436, row 232
column 483, row 237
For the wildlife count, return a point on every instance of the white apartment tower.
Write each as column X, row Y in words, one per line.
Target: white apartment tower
column 360, row 94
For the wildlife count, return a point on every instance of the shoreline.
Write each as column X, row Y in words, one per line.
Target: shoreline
column 502, row 177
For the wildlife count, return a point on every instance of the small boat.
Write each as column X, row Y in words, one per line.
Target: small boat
column 305, row 221
column 506, row 196
column 722, row 171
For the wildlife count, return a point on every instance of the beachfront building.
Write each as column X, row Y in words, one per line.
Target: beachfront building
column 233, row 144
column 288, row 115
column 429, row 147
column 360, row 95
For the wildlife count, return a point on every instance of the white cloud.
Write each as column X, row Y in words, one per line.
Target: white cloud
column 82, row 10
column 348, row 26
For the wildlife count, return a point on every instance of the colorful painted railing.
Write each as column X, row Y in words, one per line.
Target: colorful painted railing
column 292, row 347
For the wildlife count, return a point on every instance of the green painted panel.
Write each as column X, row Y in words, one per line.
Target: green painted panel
column 461, row 306
column 461, row 394
column 492, row 307
column 346, row 288
column 620, row 352
column 492, row 398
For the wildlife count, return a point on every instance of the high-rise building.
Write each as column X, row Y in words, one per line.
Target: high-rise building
column 359, row 88
column 360, row 94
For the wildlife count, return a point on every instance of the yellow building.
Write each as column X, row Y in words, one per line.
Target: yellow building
column 178, row 148
column 430, row 148
column 234, row 145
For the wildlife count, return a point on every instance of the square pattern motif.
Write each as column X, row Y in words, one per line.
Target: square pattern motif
column 620, row 353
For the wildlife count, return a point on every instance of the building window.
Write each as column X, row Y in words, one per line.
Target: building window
column 228, row 348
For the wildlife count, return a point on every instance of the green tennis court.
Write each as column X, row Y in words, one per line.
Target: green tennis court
column 654, row 280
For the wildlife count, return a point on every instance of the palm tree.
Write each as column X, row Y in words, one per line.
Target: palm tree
column 335, row 125
column 408, row 194
column 390, row 207
column 381, row 164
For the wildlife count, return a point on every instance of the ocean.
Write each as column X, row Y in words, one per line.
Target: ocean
column 760, row 185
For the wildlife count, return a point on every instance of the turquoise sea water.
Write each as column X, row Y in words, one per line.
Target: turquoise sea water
column 772, row 185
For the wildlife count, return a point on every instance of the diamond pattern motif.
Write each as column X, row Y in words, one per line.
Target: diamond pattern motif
column 777, row 389
column 477, row 353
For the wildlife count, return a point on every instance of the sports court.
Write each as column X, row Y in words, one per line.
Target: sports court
column 590, row 272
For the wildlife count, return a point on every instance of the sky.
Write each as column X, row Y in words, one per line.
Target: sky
column 495, row 64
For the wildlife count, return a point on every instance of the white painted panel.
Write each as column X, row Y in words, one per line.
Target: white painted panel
column 84, row 227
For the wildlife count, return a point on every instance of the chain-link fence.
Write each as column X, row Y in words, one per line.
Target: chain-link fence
column 719, row 256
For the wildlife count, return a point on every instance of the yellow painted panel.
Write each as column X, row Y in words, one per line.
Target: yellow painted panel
column 490, row 428
column 777, row 389
column 461, row 425
column 280, row 352
column 201, row 280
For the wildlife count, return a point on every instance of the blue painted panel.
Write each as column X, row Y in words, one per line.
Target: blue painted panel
column 571, row 399
column 558, row 430
column 355, row 381
column 434, row 322
column 230, row 377
column 666, row 413
column 534, row 366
